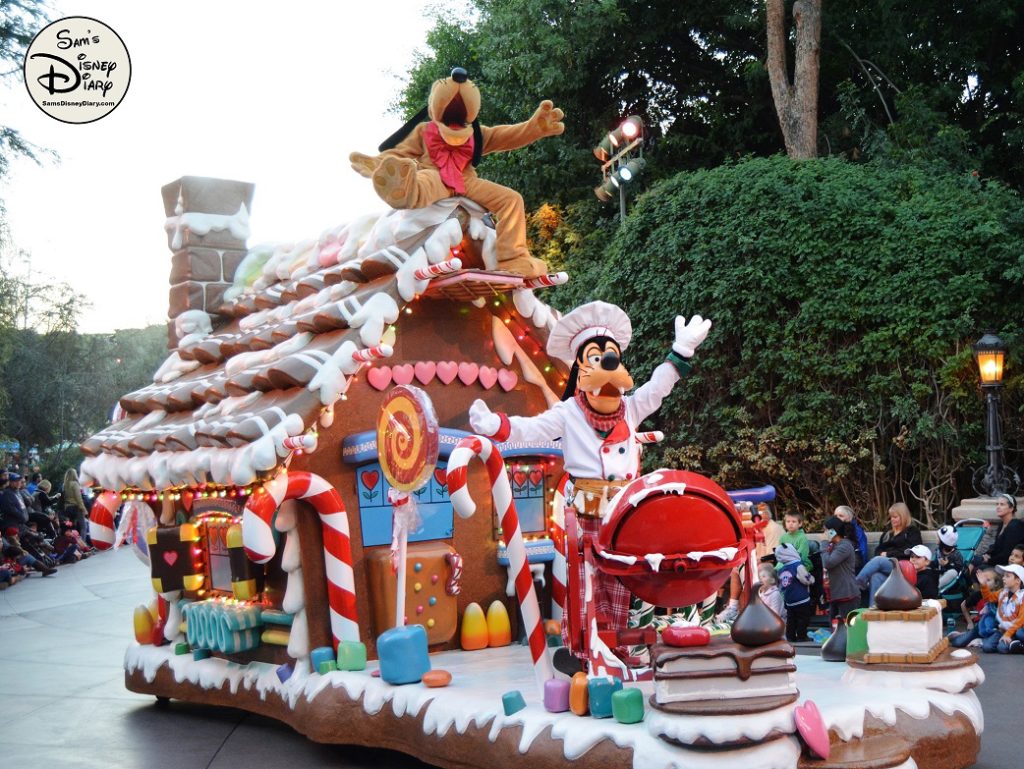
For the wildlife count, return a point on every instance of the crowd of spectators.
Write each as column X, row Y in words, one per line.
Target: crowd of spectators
column 42, row 528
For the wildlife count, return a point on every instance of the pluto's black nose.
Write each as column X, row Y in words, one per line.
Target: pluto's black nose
column 459, row 75
column 609, row 361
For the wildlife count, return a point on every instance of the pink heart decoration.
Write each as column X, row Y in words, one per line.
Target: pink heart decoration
column 468, row 372
column 170, row 557
column 447, row 370
column 370, row 478
column 403, row 374
column 518, row 477
column 379, row 377
column 425, row 371
column 488, row 377
column 507, row 379
column 536, row 476
column 812, row 729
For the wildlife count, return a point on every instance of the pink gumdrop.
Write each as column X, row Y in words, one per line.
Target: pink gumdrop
column 433, row 579
column 419, row 609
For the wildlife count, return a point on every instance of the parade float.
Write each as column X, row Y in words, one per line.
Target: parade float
column 351, row 483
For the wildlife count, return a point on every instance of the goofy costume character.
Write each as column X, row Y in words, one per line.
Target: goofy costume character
column 596, row 421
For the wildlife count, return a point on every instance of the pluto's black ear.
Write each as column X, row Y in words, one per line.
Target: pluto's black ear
column 478, row 143
column 570, row 385
column 392, row 141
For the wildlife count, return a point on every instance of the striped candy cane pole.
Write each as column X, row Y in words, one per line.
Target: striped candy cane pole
column 545, row 281
column 559, row 565
column 436, row 270
column 258, row 539
column 300, row 443
column 372, row 353
column 101, row 520
column 501, row 493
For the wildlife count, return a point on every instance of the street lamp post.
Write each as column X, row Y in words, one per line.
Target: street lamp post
column 620, row 167
column 995, row 477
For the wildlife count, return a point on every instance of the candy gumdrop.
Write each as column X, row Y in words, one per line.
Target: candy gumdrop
column 499, row 628
column 474, row 628
column 143, row 622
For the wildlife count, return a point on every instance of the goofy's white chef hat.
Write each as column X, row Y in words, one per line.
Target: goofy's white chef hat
column 586, row 322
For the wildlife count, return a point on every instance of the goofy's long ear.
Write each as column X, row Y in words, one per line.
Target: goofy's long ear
column 478, row 143
column 392, row 141
column 570, row 384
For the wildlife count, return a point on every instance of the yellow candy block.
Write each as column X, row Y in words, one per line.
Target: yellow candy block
column 278, row 636
column 143, row 622
column 474, row 628
column 154, row 610
column 499, row 628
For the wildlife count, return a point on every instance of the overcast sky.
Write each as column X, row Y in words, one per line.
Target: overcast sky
column 277, row 95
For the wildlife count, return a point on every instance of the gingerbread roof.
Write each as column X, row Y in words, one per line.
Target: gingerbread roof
column 298, row 323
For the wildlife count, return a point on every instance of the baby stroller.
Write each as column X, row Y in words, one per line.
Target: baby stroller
column 970, row 532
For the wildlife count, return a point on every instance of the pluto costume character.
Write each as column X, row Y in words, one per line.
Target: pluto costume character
column 596, row 421
column 424, row 162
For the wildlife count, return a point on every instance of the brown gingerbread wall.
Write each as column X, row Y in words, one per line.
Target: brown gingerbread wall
column 436, row 330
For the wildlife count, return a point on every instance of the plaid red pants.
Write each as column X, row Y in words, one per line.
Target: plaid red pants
column 611, row 598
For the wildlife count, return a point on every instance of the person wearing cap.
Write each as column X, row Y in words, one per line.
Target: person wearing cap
column 12, row 506
column 1009, row 534
column 1009, row 638
column 596, row 421
column 878, row 570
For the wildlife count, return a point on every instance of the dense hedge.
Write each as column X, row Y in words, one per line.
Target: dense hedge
column 845, row 298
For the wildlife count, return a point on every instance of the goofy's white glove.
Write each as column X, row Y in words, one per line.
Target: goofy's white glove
column 483, row 420
column 690, row 334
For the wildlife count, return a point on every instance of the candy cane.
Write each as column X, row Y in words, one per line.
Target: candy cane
column 372, row 353
column 258, row 538
column 501, row 494
column 547, row 280
column 436, row 270
column 300, row 443
column 558, row 566
column 654, row 436
column 101, row 520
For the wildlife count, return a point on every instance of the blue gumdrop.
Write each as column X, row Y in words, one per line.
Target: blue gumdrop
column 513, row 702
column 600, row 691
column 402, row 652
column 284, row 672
column 320, row 655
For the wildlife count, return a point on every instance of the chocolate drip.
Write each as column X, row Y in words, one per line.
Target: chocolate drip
column 742, row 656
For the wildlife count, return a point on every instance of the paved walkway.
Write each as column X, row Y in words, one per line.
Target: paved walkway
column 63, row 701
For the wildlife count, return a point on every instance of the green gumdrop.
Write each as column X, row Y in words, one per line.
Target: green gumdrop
column 628, row 706
column 351, row 655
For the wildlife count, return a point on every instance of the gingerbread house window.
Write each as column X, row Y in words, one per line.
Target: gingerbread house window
column 432, row 502
column 529, row 493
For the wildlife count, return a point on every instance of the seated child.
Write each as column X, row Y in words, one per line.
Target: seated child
column 927, row 576
column 986, row 625
column 769, row 590
column 13, row 551
column 794, row 535
column 972, row 600
column 1009, row 637
column 949, row 560
column 793, row 581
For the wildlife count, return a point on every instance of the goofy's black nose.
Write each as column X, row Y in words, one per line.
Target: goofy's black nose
column 459, row 75
column 610, row 361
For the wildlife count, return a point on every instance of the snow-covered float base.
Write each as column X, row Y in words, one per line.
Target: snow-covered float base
column 463, row 725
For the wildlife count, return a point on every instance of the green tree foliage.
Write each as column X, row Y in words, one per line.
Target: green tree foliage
column 19, row 22
column 845, row 297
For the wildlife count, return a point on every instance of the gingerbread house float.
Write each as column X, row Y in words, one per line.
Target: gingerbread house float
column 267, row 407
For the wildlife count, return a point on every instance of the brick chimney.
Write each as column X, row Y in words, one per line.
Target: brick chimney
column 207, row 226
